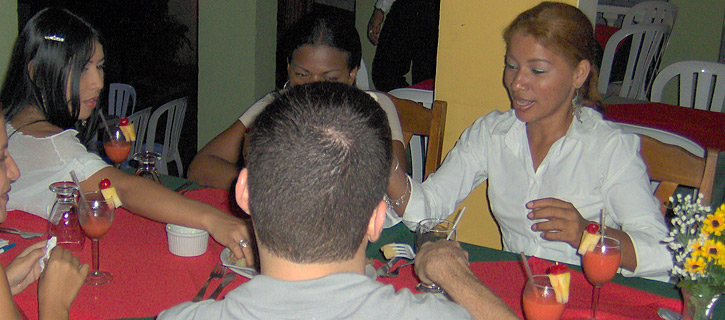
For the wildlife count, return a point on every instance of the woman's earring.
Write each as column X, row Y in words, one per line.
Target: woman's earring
column 576, row 104
column 286, row 85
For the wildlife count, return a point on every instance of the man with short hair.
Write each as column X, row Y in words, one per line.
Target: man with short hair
column 317, row 169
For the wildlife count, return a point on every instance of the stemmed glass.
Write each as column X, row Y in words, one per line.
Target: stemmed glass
column 432, row 230
column 147, row 165
column 116, row 146
column 539, row 300
column 600, row 265
column 95, row 216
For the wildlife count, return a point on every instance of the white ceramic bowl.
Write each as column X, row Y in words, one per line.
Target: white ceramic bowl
column 186, row 242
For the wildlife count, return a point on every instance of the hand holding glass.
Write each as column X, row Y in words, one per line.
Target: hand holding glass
column 96, row 217
column 432, row 230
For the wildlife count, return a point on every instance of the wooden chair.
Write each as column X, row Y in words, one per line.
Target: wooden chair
column 674, row 166
column 415, row 119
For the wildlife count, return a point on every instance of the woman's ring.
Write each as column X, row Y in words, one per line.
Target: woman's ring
column 243, row 243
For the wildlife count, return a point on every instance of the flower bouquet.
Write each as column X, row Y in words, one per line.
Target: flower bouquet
column 697, row 240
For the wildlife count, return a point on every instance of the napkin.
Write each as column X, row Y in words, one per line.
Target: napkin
column 48, row 247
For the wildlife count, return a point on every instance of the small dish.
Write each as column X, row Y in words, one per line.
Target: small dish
column 185, row 241
column 246, row 272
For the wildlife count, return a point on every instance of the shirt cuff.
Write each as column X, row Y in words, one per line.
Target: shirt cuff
column 384, row 5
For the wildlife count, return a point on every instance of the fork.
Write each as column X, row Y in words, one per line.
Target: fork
column 217, row 272
column 227, row 279
column 403, row 250
column 22, row 234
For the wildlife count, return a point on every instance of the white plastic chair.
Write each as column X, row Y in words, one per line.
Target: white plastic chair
column 701, row 83
column 362, row 78
column 140, row 122
column 652, row 12
column 175, row 111
column 647, row 42
column 119, row 97
column 665, row 137
column 418, row 145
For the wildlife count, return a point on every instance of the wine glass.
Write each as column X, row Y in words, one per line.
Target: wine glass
column 147, row 165
column 63, row 219
column 539, row 299
column 95, row 216
column 116, row 146
column 432, row 230
column 600, row 265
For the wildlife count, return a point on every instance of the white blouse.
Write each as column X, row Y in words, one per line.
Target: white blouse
column 595, row 165
column 44, row 161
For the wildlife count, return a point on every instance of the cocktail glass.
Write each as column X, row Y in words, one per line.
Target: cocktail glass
column 116, row 146
column 539, row 300
column 147, row 165
column 95, row 217
column 433, row 229
column 600, row 265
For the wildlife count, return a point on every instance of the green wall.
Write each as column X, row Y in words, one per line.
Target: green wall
column 363, row 10
column 236, row 60
column 8, row 32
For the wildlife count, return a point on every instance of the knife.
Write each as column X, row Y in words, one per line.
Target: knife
column 227, row 279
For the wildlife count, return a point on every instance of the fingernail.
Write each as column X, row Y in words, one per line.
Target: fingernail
column 529, row 204
column 530, row 215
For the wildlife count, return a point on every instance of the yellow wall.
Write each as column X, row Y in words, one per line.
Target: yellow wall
column 469, row 77
column 8, row 32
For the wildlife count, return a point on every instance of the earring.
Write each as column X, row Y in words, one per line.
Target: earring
column 576, row 104
column 286, row 85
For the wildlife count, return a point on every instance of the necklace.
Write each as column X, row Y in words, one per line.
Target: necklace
column 25, row 125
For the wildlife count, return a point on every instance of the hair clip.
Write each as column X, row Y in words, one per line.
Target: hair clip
column 54, row 38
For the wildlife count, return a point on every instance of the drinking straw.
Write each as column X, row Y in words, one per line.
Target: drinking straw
column 108, row 130
column 526, row 267
column 75, row 180
column 601, row 225
column 455, row 224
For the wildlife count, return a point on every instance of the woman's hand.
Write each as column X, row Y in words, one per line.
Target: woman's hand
column 25, row 269
column 563, row 221
column 229, row 230
column 59, row 284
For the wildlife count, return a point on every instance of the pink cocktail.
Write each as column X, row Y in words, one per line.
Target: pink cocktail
column 600, row 266
column 117, row 151
column 539, row 300
column 95, row 216
column 96, row 227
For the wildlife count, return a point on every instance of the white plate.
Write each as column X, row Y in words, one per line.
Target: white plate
column 242, row 271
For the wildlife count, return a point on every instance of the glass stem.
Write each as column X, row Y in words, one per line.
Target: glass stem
column 595, row 301
column 94, row 254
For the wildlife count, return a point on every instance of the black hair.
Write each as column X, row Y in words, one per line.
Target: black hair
column 57, row 45
column 319, row 158
column 323, row 29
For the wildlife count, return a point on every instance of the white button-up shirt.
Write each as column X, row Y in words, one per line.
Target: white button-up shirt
column 594, row 166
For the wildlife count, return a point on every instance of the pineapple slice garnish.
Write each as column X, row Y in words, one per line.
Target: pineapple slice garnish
column 589, row 240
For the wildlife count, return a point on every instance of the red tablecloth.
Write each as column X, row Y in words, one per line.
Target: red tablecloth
column 147, row 277
column 507, row 280
column 705, row 128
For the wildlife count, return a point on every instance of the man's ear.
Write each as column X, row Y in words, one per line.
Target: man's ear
column 375, row 226
column 241, row 192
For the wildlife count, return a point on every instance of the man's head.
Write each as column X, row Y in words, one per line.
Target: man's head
column 317, row 170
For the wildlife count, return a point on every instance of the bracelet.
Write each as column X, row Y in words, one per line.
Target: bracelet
column 400, row 200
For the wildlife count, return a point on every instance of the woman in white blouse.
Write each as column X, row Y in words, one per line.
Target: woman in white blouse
column 551, row 161
column 52, row 87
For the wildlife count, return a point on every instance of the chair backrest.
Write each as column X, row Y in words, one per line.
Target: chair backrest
column 120, row 95
column 666, row 137
column 701, row 83
column 673, row 166
column 362, row 79
column 175, row 111
column 415, row 119
column 653, row 12
column 418, row 144
column 140, row 122
column 642, row 61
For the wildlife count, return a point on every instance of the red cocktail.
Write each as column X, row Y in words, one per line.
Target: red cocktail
column 117, row 151
column 600, row 265
column 95, row 216
column 539, row 300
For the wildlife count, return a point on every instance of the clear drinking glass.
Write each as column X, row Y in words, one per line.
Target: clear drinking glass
column 96, row 217
column 147, row 165
column 539, row 300
column 600, row 265
column 432, row 229
column 63, row 219
column 116, row 146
